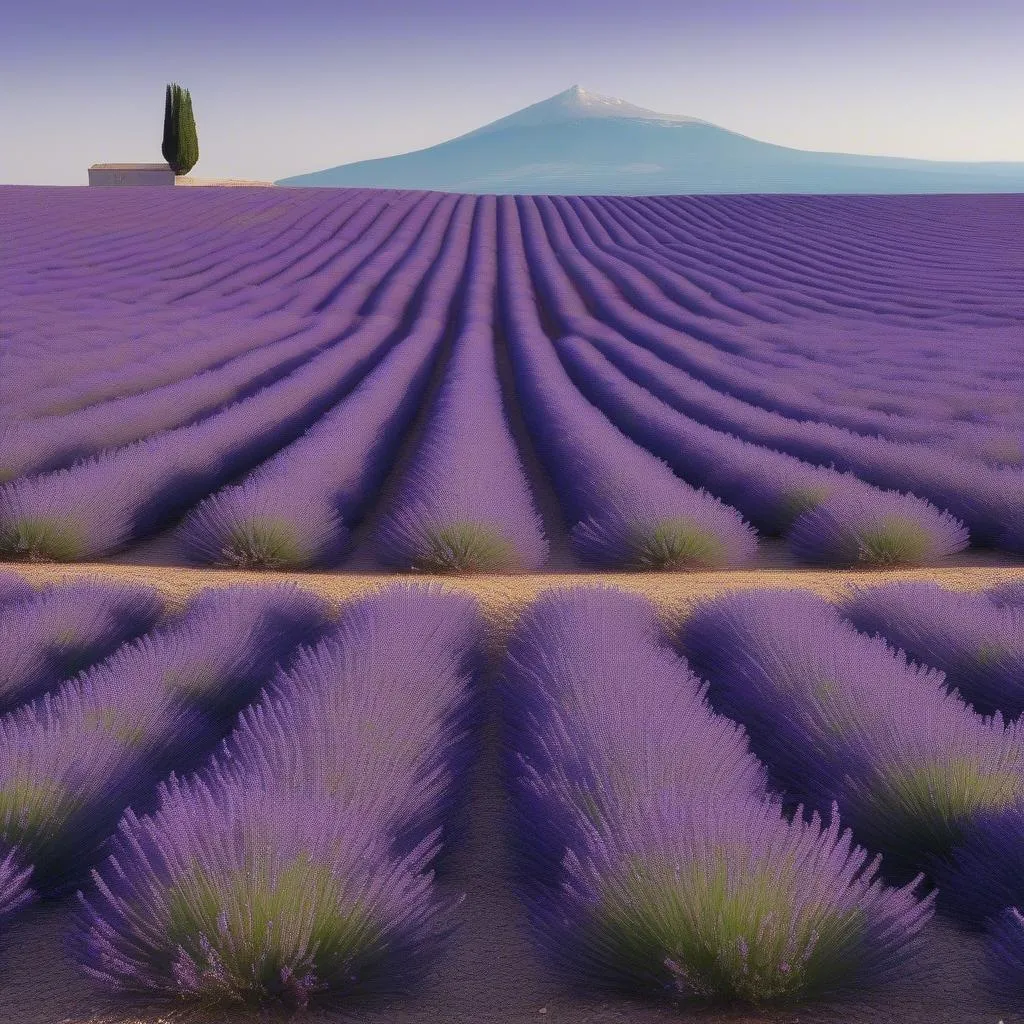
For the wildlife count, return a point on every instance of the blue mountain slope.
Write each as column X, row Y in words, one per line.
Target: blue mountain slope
column 577, row 143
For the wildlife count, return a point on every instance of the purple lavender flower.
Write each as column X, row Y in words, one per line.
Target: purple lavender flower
column 385, row 707
column 13, row 587
column 1011, row 593
column 14, row 884
column 837, row 715
column 730, row 901
column 236, row 894
column 651, row 856
column 980, row 647
column 876, row 529
column 55, row 634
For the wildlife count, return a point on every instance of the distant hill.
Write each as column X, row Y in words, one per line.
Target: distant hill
column 579, row 143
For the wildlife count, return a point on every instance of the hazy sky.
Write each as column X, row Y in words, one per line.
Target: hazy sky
column 302, row 85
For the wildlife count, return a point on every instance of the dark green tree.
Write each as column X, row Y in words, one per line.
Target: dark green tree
column 188, row 138
column 169, row 147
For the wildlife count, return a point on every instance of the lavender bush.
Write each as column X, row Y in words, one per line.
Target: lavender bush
column 385, row 706
column 831, row 518
column 296, row 866
column 239, row 895
column 730, row 901
column 839, row 716
column 70, row 762
column 879, row 530
column 654, row 858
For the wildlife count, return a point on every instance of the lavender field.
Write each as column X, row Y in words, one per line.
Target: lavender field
column 308, row 379
column 764, row 806
column 705, row 703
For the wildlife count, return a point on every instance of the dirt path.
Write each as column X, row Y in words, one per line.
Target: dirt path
column 501, row 594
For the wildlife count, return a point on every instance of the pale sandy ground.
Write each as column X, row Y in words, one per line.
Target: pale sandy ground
column 490, row 973
column 502, row 595
column 184, row 179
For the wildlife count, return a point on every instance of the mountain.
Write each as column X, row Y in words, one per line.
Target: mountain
column 580, row 143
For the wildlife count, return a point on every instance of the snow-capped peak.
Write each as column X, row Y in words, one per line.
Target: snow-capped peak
column 575, row 104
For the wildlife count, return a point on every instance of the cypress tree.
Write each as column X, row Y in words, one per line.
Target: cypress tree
column 169, row 147
column 188, row 138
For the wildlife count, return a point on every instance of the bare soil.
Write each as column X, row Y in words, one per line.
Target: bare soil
column 184, row 179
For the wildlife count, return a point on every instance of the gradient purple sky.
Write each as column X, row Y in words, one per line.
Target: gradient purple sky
column 289, row 88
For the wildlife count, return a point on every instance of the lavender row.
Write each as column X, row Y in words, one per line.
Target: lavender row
column 727, row 235
column 366, row 230
column 131, row 228
column 105, row 346
column 796, row 389
column 653, row 858
column 56, row 441
column 984, row 499
column 908, row 384
column 312, row 833
column 366, row 233
column 736, row 383
column 840, row 280
column 136, row 358
column 624, row 506
column 48, row 636
column 464, row 502
column 977, row 644
column 935, row 356
column 101, row 504
column 840, row 716
column 224, row 264
column 829, row 518
column 750, row 347
column 297, row 509
column 137, row 265
column 71, row 761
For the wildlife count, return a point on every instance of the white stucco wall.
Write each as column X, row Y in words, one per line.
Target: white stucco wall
column 131, row 174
